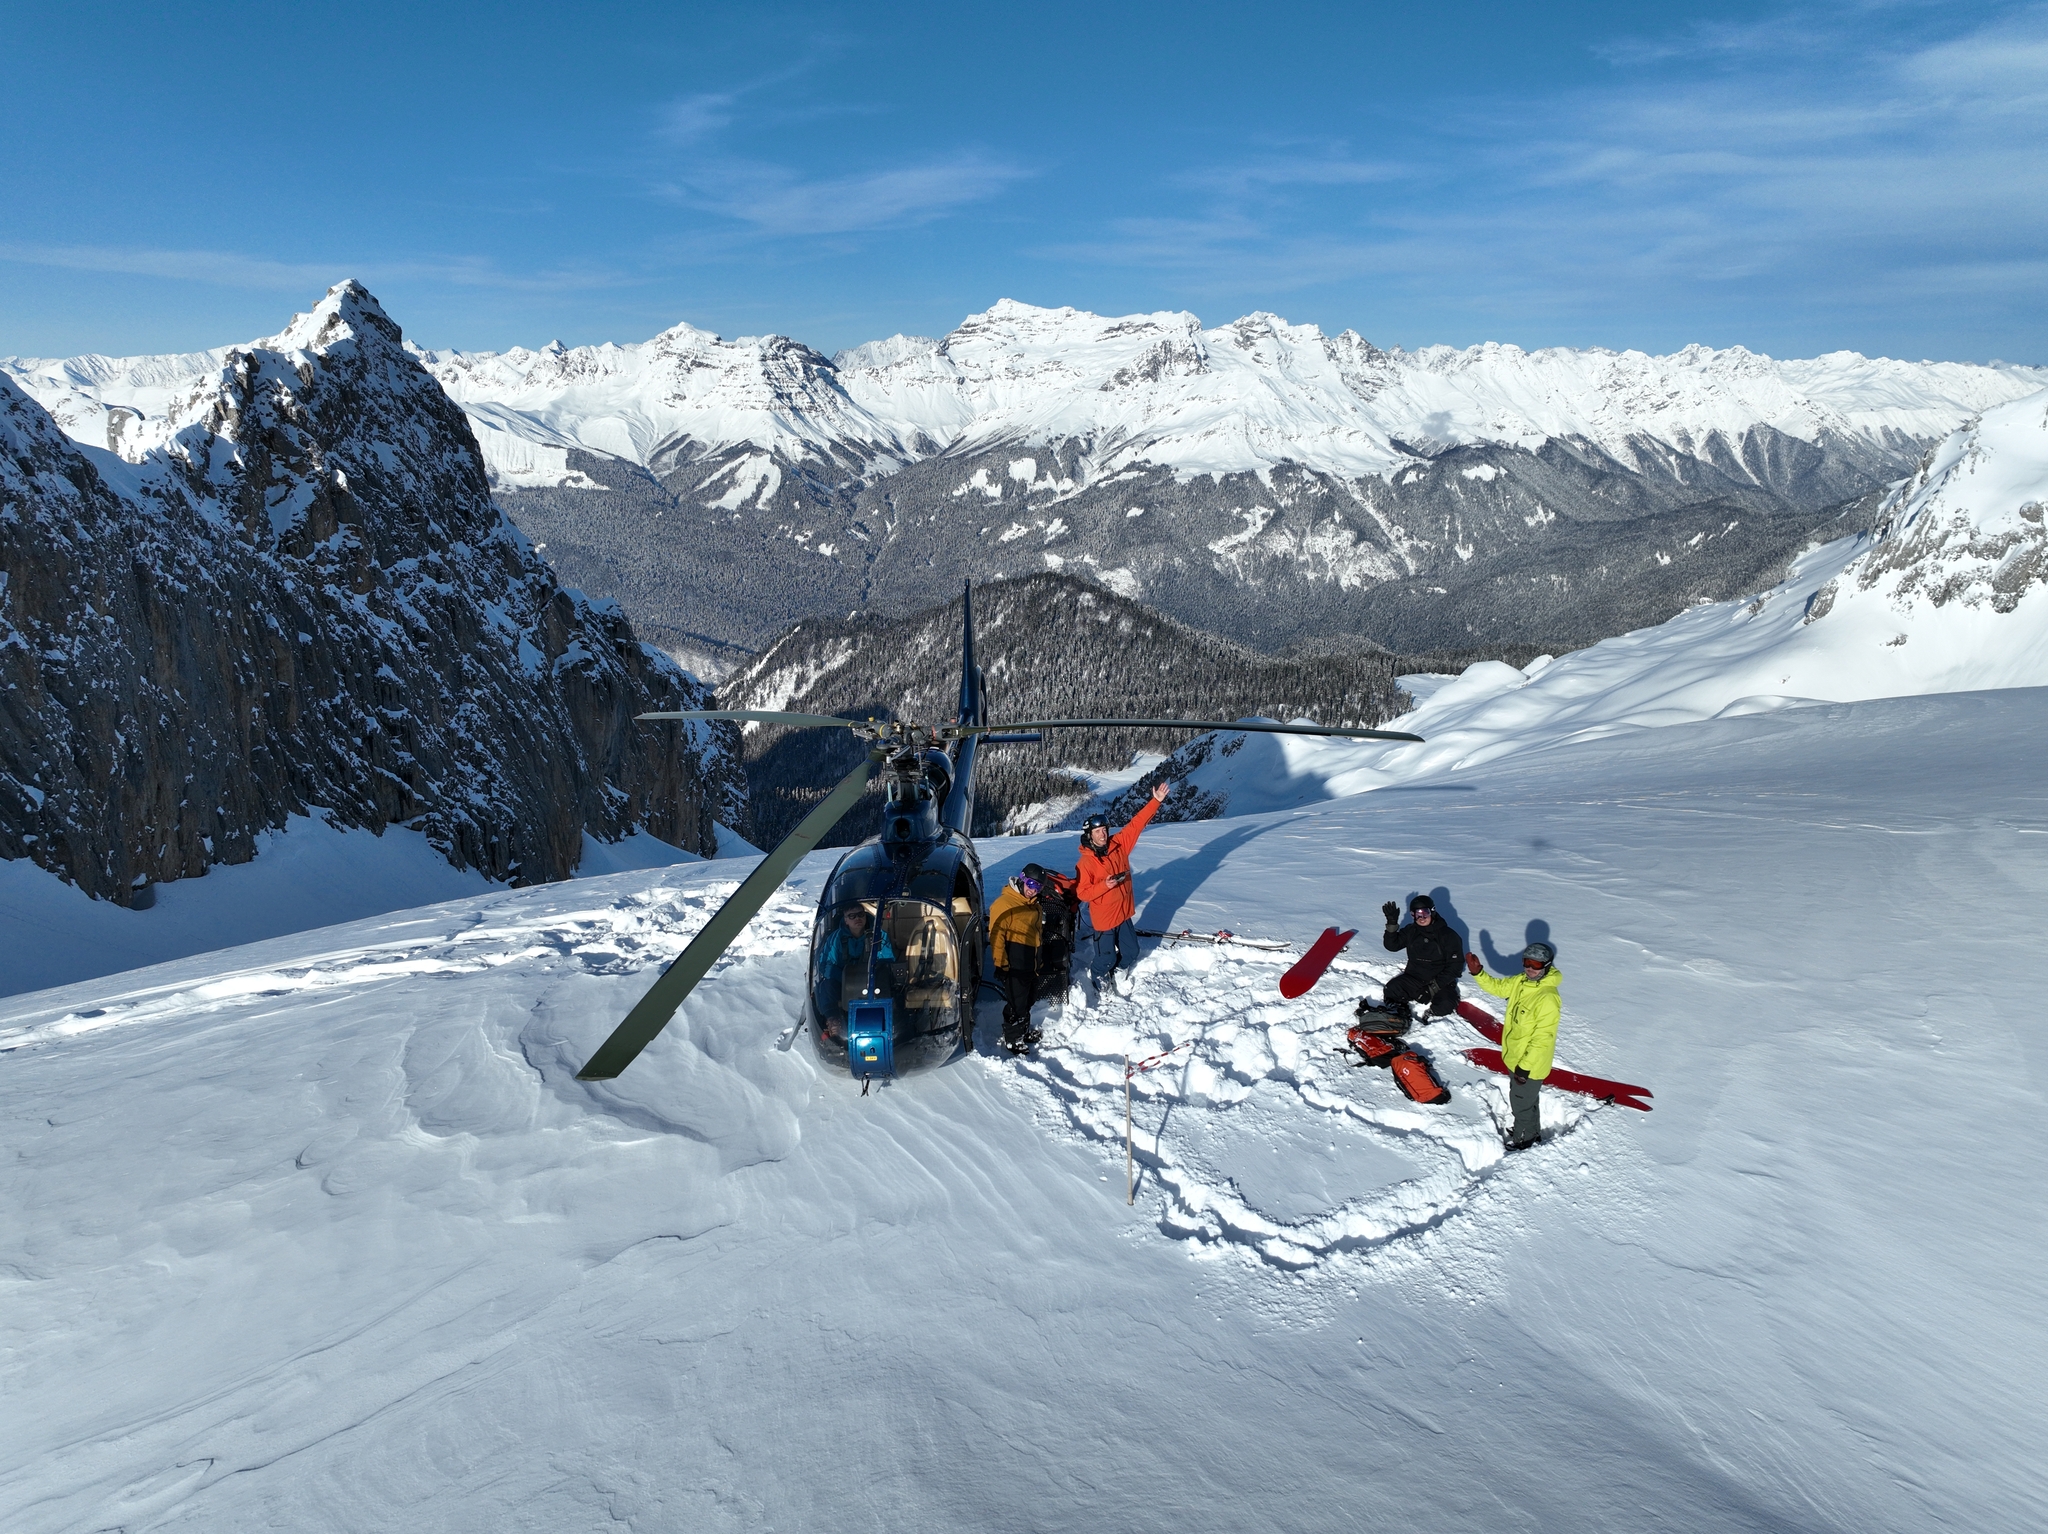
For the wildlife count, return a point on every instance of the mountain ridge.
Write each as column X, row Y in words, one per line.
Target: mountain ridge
column 1260, row 479
column 302, row 598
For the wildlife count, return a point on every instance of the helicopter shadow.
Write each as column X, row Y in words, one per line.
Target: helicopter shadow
column 1537, row 931
column 1169, row 886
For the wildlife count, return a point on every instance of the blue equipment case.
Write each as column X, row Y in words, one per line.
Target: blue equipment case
column 871, row 1037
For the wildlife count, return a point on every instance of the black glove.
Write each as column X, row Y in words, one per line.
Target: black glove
column 1521, row 1074
column 1392, row 912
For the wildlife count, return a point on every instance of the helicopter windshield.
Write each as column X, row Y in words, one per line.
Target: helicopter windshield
column 906, row 950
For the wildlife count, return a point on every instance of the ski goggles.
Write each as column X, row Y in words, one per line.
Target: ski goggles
column 1539, row 965
column 1028, row 886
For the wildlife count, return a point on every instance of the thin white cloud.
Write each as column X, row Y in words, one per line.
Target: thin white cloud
column 767, row 198
column 233, row 269
column 221, row 268
column 1893, row 171
column 1272, row 172
column 690, row 119
column 774, row 201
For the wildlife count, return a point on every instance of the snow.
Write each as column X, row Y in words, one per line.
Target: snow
column 310, row 874
column 324, row 1233
column 1154, row 389
column 1950, row 597
column 306, row 876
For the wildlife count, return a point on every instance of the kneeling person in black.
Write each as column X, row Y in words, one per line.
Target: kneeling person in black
column 1436, row 957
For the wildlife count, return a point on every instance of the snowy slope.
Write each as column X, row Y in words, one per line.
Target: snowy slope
column 1947, row 596
column 1156, row 389
column 309, row 874
column 325, row 1234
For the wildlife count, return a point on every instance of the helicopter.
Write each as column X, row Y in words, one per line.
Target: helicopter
column 896, row 948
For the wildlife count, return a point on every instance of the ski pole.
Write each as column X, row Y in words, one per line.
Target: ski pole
column 1130, row 1183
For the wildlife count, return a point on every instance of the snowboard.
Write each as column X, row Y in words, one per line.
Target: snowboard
column 1308, row 969
column 1571, row 1081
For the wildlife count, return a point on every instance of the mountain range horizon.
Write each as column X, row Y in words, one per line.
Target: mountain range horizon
column 1259, row 479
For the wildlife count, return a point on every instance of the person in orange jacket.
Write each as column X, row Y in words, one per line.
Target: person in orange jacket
column 1104, row 879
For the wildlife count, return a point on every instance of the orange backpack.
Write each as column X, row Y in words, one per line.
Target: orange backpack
column 1414, row 1077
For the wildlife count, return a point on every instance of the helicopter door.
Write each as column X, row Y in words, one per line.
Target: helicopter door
column 927, row 967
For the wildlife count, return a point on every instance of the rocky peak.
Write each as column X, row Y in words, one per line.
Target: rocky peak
column 1967, row 527
column 305, row 598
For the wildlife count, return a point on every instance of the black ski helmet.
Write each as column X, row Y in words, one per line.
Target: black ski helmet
column 1091, row 823
column 1421, row 903
column 1542, row 953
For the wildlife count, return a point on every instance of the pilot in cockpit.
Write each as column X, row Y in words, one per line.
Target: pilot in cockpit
column 847, row 948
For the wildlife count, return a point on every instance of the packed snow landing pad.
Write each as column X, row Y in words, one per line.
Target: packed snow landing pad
column 323, row 1233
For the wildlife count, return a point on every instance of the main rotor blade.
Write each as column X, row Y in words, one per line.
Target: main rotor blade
column 654, row 1010
column 762, row 715
column 1182, row 724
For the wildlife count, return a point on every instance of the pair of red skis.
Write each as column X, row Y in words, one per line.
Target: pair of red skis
column 1309, row 969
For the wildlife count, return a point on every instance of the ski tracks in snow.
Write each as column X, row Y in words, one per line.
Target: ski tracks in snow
column 1255, row 1139
column 557, row 933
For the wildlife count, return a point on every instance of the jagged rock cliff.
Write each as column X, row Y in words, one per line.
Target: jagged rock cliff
column 303, row 597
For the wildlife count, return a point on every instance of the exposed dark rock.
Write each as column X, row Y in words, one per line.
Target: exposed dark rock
column 308, row 601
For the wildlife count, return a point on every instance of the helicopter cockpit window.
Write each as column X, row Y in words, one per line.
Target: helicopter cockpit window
column 906, row 950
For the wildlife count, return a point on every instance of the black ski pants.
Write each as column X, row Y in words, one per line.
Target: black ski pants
column 1020, row 986
column 1528, row 1125
column 1409, row 986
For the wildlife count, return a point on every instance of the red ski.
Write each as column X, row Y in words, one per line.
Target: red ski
column 1487, row 1024
column 1308, row 969
column 1571, row 1081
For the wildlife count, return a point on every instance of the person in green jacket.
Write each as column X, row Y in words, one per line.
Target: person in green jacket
column 1528, row 1039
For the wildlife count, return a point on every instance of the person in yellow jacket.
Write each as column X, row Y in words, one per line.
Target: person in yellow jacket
column 1528, row 1040
column 1016, row 928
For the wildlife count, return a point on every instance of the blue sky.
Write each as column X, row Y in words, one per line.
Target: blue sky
column 1795, row 179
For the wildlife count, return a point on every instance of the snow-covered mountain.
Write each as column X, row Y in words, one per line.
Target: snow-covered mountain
column 290, row 592
column 1259, row 479
column 1948, row 594
column 1161, row 390
column 325, row 1231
